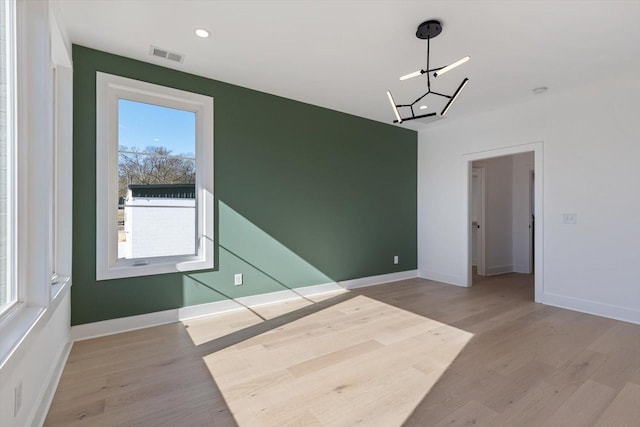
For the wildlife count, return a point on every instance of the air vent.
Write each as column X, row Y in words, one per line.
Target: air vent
column 164, row 53
column 174, row 57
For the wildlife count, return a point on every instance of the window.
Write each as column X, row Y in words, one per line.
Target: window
column 154, row 203
column 156, row 184
column 8, row 284
column 28, row 143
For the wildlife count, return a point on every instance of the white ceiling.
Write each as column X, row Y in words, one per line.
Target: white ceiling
column 344, row 55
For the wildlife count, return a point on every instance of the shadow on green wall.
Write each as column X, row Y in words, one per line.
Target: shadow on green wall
column 265, row 263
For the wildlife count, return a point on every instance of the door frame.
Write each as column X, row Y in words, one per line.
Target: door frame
column 467, row 160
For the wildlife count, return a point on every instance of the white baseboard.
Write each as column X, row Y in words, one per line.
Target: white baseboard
column 377, row 280
column 41, row 411
column 124, row 324
column 499, row 269
column 443, row 278
column 518, row 268
column 616, row 312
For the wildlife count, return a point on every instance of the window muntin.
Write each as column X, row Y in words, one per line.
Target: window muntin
column 157, row 211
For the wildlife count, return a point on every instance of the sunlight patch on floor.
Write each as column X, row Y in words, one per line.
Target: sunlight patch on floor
column 358, row 361
column 207, row 328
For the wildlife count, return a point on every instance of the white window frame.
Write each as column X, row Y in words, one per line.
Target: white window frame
column 60, row 217
column 61, row 162
column 109, row 89
column 14, row 292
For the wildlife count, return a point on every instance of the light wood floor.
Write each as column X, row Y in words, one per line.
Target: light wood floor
column 415, row 353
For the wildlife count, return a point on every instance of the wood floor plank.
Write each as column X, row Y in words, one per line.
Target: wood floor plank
column 534, row 408
column 518, row 385
column 579, row 368
column 332, row 358
column 624, row 410
column 471, row 414
column 67, row 415
column 584, row 407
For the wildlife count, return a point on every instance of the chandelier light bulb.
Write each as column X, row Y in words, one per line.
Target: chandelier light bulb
column 411, row 75
column 451, row 66
column 393, row 105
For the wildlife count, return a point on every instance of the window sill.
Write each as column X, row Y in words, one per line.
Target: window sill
column 158, row 266
column 58, row 285
column 16, row 327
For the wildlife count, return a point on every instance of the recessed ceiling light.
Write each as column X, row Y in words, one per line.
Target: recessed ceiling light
column 423, row 107
column 540, row 90
column 201, row 32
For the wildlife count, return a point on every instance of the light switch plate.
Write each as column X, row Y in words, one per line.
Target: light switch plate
column 237, row 279
column 569, row 218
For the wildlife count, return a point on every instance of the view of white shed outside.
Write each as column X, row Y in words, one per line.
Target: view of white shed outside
column 157, row 226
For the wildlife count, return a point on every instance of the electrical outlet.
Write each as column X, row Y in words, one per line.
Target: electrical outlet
column 395, row 259
column 569, row 218
column 237, row 279
column 17, row 399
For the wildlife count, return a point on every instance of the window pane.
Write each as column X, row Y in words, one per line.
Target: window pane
column 7, row 286
column 156, row 181
column 53, row 186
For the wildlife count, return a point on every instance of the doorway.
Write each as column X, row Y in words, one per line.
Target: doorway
column 503, row 206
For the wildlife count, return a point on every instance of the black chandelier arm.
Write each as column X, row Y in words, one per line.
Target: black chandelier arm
column 431, row 70
column 428, row 75
column 454, row 96
column 416, row 117
column 442, row 95
column 419, row 99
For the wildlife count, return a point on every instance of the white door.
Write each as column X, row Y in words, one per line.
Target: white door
column 532, row 221
column 477, row 219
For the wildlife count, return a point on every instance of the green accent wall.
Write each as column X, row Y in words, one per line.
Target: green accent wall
column 304, row 196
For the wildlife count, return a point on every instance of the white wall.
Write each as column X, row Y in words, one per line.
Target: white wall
column 591, row 147
column 441, row 182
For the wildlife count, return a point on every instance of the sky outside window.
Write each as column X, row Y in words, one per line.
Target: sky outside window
column 142, row 125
